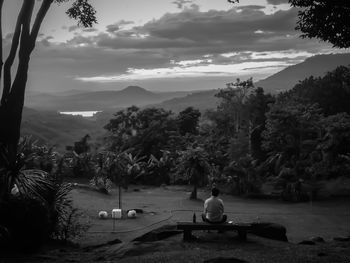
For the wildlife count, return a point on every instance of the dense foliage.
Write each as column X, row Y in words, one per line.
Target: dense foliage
column 306, row 132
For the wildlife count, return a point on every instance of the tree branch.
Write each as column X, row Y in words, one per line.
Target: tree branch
column 11, row 57
column 15, row 99
column 1, row 58
column 23, row 53
column 45, row 6
column 25, row 44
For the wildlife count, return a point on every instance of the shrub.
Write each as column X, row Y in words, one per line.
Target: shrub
column 70, row 226
column 101, row 183
column 27, row 221
column 34, row 203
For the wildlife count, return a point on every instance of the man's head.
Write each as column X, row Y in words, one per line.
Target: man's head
column 215, row 192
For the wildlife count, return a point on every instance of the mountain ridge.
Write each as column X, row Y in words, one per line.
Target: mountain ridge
column 283, row 80
column 316, row 66
column 98, row 100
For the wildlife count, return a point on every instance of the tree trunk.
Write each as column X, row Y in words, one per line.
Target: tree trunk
column 120, row 196
column 11, row 110
column 1, row 57
column 12, row 100
column 250, row 130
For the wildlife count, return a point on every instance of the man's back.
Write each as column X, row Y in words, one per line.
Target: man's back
column 214, row 209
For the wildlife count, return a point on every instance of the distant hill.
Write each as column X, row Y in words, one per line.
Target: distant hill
column 97, row 100
column 316, row 66
column 202, row 101
column 59, row 130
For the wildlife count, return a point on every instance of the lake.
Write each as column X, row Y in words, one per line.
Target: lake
column 80, row 113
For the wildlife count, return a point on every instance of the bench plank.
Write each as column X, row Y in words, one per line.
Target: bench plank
column 209, row 226
column 187, row 227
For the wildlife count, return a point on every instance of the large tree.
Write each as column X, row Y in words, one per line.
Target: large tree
column 258, row 105
column 23, row 43
column 233, row 103
column 328, row 20
column 187, row 121
column 144, row 132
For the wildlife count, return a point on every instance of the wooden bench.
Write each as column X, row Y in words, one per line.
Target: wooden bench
column 187, row 228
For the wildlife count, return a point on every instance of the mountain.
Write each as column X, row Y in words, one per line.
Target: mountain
column 97, row 100
column 316, row 66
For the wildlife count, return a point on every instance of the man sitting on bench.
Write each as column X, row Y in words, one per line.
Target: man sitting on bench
column 214, row 209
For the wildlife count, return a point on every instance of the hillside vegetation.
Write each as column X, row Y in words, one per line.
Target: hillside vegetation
column 58, row 130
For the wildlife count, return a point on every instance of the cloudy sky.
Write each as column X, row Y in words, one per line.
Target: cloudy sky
column 165, row 44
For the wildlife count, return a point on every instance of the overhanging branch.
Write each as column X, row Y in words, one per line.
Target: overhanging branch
column 45, row 6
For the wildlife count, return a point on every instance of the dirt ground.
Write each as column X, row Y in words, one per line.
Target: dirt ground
column 171, row 204
column 167, row 205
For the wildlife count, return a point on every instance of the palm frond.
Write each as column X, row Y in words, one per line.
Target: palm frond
column 61, row 202
column 34, row 184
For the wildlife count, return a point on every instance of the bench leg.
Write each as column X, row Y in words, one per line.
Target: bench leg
column 187, row 235
column 242, row 234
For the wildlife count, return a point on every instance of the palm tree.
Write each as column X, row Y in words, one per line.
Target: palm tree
column 117, row 167
column 125, row 167
column 23, row 186
column 195, row 167
column 33, row 183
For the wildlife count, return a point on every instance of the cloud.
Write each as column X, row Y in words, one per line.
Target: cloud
column 125, row 22
column 84, row 59
column 73, row 28
column 117, row 26
column 45, row 40
column 112, row 28
column 182, row 3
column 277, row 2
column 193, row 71
column 192, row 33
column 90, row 30
column 221, row 44
column 234, row 27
